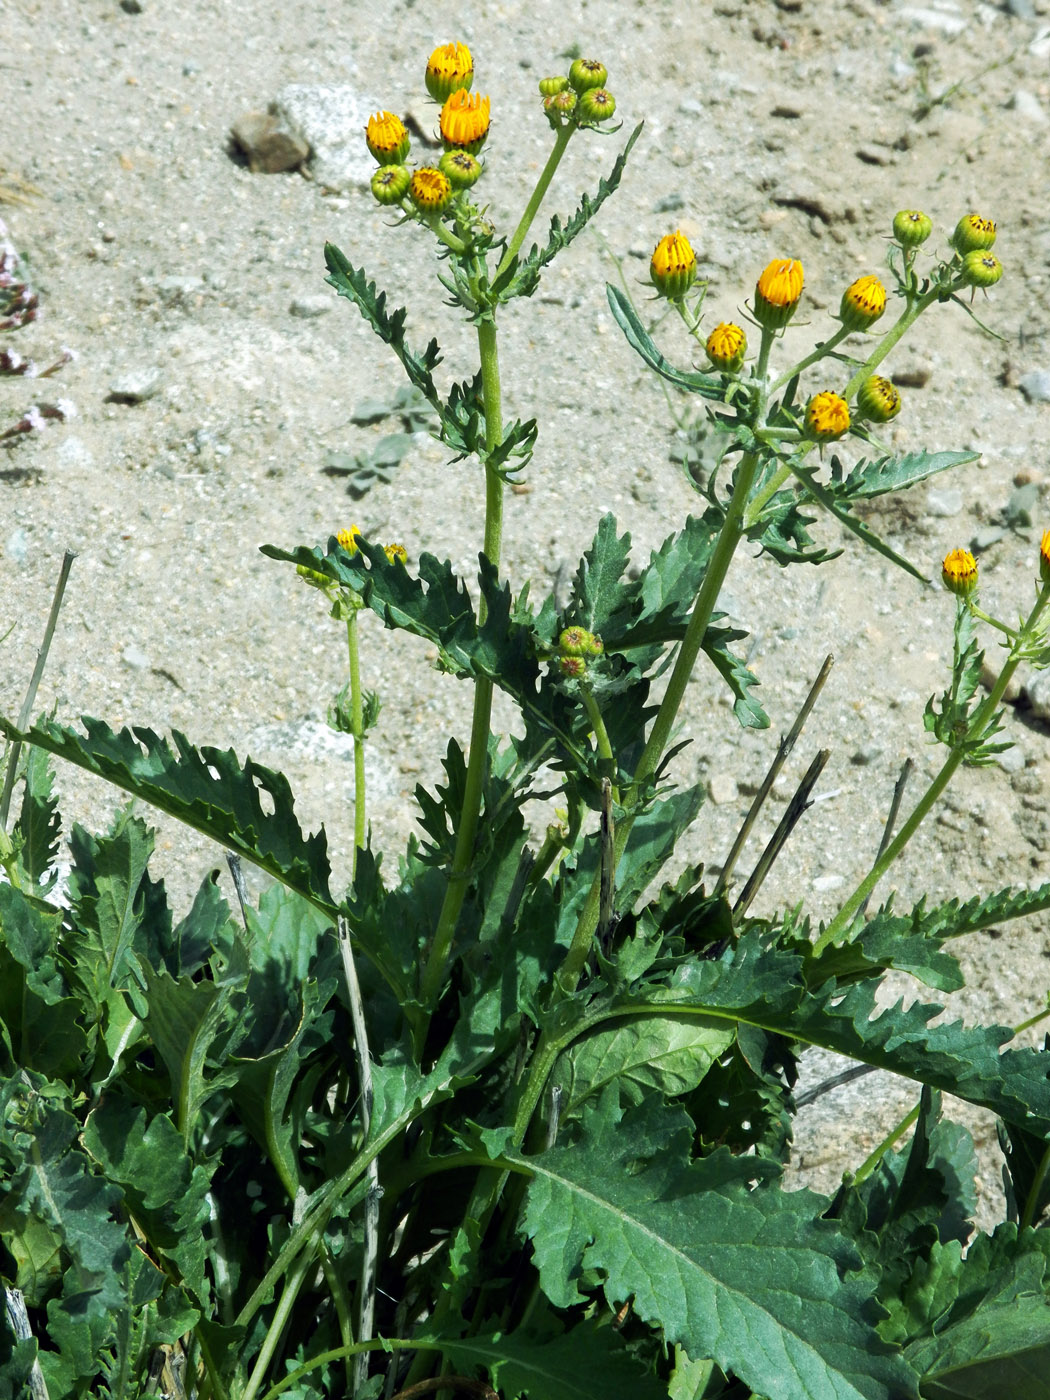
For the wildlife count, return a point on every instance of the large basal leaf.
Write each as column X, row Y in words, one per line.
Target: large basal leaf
column 588, row 1363
column 748, row 1276
column 244, row 806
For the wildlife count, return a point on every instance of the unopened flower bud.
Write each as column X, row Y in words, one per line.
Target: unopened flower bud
column 827, row 417
column 777, row 292
column 396, row 553
column 981, row 269
column 572, row 667
column 973, row 234
column 390, row 183
column 911, row 227
column 347, row 539
column 959, row 573
column 450, row 69
column 550, row 87
column 878, row 400
column 560, row 105
column 462, row 169
column 387, row 138
column 673, row 266
column 595, row 105
column 464, row 121
column 587, row 73
column 863, row 302
column 726, row 347
column 1044, row 557
column 312, row 577
column 430, row 189
column 577, row 641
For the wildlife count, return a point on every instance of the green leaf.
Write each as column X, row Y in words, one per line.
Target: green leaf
column 665, row 1053
column 708, row 385
column 837, row 503
column 41, row 1025
column 523, row 276
column 748, row 1276
column 245, row 807
column 352, row 283
column 164, row 1190
column 597, row 593
column 867, row 479
column 36, row 833
column 587, row 1363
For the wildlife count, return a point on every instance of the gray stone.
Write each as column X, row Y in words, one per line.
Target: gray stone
column 131, row 7
column 308, row 307
column 1028, row 106
column 268, row 144
column 136, row 385
column 723, row 788
column 944, row 501
column 823, row 883
column 330, row 118
column 134, row 657
column 1035, row 385
column 17, row 546
column 984, row 539
column 1011, row 760
column 1038, row 692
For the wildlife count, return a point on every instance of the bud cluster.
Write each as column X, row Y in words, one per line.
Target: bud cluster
column 576, row 647
column 580, row 98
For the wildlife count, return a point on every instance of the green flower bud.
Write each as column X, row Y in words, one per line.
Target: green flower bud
column 878, row 400
column 390, row 184
column 911, row 227
column 596, row 105
column 550, row 87
column 560, row 105
column 973, row 234
column 981, row 269
column 461, row 168
column 572, row 667
column 576, row 641
column 587, row 73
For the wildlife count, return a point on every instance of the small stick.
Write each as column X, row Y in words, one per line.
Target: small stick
column 891, row 819
column 608, row 885
column 481, row 1389
column 795, row 808
column 847, row 1076
column 786, row 745
column 18, row 1319
column 555, row 1116
column 234, row 862
column 366, row 1314
column 34, row 684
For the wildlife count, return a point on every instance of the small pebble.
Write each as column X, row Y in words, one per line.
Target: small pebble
column 307, row 308
column 989, row 676
column 823, row 883
column 1011, row 760
column 723, row 788
column 1038, row 693
column 944, row 502
column 131, row 7
column 17, row 546
column 1027, row 105
column 1035, row 385
column 984, row 539
column 136, row 386
column 134, row 657
column 866, row 755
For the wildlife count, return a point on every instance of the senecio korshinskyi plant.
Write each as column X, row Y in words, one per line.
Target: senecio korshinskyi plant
column 509, row 1115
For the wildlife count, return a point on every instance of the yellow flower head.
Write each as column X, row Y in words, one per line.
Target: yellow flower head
column 396, row 553
column 1044, row 558
column 430, row 189
column 347, row 539
column 863, row 302
column 827, row 417
column 777, row 292
column 464, row 121
column 450, row 69
column 727, row 346
column 673, row 266
column 386, row 138
column 959, row 572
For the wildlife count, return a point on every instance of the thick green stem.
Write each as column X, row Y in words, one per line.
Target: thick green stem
column 463, row 856
column 292, row 1286
column 811, row 359
column 870, row 1163
column 601, row 734
column 980, row 718
column 561, row 141
column 357, row 731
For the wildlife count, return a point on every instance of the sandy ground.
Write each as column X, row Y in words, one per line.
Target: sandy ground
column 792, row 129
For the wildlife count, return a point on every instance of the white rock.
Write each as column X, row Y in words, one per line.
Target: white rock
column 331, row 119
column 1038, row 692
